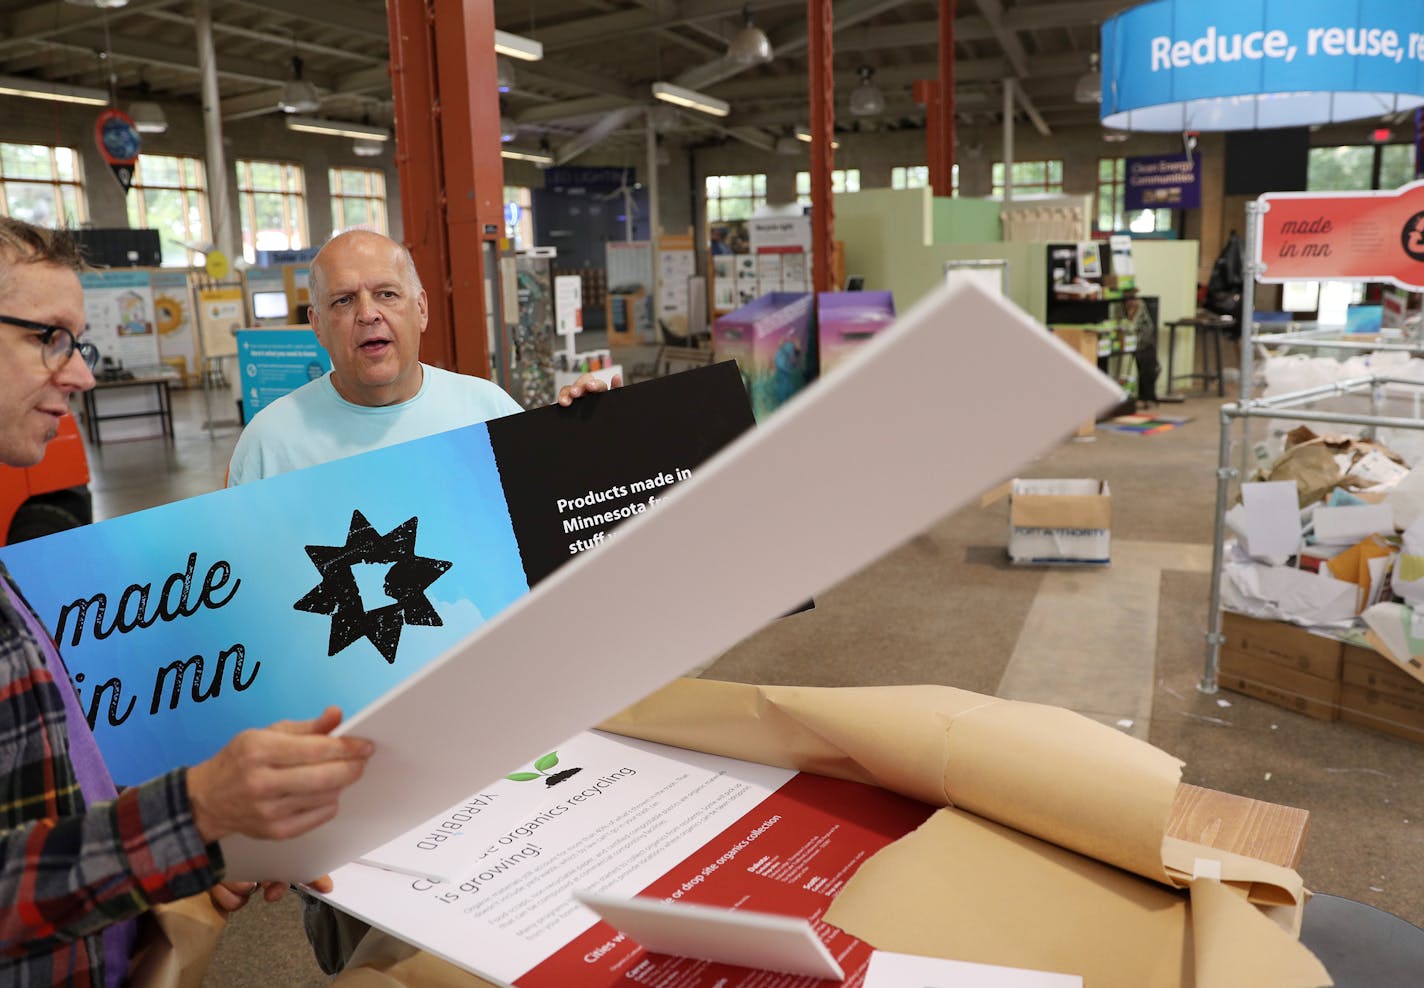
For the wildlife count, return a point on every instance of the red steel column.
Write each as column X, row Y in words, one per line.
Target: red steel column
column 447, row 160
column 943, row 181
column 823, row 127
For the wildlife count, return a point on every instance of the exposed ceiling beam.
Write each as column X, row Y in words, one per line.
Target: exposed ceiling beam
column 794, row 86
column 606, row 127
column 889, row 76
column 664, row 13
column 556, row 71
column 751, row 135
column 1059, row 14
column 377, row 78
column 993, row 12
column 267, row 37
column 163, row 56
column 342, row 16
column 1031, row 111
column 570, row 109
column 784, row 42
column 256, row 104
column 44, row 20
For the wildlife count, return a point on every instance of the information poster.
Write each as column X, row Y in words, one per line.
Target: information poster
column 220, row 316
column 173, row 318
column 275, row 362
column 676, row 266
column 746, row 268
column 192, row 621
column 568, row 304
column 626, row 818
column 118, row 312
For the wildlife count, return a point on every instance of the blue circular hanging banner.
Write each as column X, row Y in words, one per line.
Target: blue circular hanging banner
column 117, row 137
column 1180, row 65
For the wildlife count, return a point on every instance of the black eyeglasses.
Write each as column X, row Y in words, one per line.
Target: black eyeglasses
column 57, row 343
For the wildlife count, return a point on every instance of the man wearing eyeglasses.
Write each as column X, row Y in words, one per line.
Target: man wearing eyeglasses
column 80, row 862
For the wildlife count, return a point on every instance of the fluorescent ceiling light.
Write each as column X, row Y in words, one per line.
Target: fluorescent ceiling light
column 691, row 99
column 57, row 91
column 515, row 46
column 538, row 157
column 337, row 128
column 804, row 134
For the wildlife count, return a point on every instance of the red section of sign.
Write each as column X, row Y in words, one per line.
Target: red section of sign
column 1367, row 236
column 791, row 855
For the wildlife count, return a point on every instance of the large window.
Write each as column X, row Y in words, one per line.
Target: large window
column 918, row 177
column 358, row 199
column 168, row 195
column 1112, row 217
column 1364, row 166
column 734, row 197
column 1030, row 178
column 272, row 203
column 842, row 180
column 41, row 185
column 519, row 216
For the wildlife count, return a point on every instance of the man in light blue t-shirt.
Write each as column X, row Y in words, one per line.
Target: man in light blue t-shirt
column 368, row 310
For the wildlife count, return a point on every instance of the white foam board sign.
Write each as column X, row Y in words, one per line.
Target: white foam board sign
column 849, row 469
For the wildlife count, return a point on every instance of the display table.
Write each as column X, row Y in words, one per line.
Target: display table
column 157, row 379
column 1213, row 329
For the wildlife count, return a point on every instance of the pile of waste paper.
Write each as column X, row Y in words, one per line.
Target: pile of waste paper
column 1331, row 534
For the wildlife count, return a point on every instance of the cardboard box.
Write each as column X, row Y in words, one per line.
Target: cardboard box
column 1085, row 343
column 1382, row 712
column 1060, row 521
column 1285, row 644
column 1368, row 669
column 773, row 341
column 1275, row 683
column 846, row 320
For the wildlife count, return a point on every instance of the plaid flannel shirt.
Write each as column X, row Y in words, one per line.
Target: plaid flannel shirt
column 67, row 870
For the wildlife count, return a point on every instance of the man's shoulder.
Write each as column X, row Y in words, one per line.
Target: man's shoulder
column 445, row 385
column 442, row 378
column 309, row 395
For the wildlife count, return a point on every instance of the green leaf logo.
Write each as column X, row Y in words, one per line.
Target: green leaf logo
column 542, row 767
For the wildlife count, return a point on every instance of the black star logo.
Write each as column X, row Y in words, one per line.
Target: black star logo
column 406, row 581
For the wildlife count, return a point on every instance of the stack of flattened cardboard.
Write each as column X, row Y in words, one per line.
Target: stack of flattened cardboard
column 1281, row 664
column 1320, row 677
column 1376, row 693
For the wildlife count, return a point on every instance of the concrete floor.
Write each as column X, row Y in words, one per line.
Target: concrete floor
column 1123, row 645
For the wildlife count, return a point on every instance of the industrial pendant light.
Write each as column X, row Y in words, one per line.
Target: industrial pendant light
column 1090, row 84
column 865, row 99
column 504, row 73
column 148, row 116
column 750, row 45
column 298, row 95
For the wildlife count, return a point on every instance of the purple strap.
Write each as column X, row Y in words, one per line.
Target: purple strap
column 92, row 774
